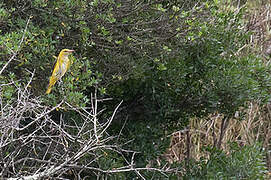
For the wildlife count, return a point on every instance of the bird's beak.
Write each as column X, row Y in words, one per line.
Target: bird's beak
column 70, row 50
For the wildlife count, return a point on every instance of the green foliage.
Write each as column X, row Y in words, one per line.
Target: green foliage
column 184, row 64
column 245, row 162
column 8, row 89
column 200, row 72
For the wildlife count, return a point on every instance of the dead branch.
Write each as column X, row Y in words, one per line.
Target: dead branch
column 33, row 145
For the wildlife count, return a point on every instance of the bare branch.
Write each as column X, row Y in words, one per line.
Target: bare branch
column 33, row 145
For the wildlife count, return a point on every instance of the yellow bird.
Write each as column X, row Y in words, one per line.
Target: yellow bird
column 61, row 67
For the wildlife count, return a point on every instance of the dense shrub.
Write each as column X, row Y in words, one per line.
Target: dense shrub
column 168, row 60
column 241, row 163
column 180, row 59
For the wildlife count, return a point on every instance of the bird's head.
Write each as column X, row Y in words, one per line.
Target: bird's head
column 65, row 52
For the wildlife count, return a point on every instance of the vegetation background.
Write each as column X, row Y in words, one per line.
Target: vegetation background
column 193, row 79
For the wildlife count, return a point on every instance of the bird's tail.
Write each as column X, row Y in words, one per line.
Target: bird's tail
column 52, row 82
column 49, row 89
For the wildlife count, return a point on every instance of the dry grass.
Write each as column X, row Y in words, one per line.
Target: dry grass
column 254, row 126
column 259, row 22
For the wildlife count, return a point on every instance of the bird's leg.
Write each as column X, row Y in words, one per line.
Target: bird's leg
column 60, row 82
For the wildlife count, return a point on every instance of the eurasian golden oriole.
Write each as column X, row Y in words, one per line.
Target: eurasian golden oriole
column 62, row 65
